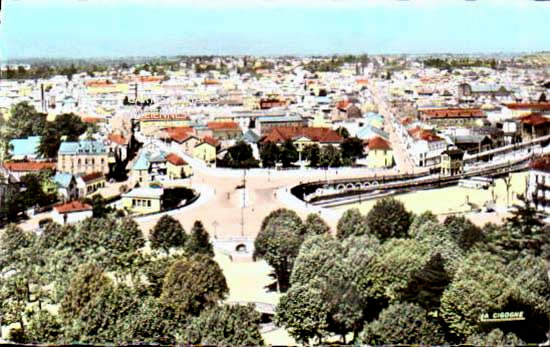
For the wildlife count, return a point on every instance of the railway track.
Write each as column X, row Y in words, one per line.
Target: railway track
column 401, row 183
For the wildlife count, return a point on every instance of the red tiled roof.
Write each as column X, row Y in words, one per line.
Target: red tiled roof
column 210, row 140
column 175, row 159
column 222, row 125
column 211, row 82
column 362, row 81
column 118, row 139
column 421, row 134
column 378, row 143
column 92, row 176
column 453, row 113
column 541, row 163
column 323, row 135
column 163, row 117
column 92, row 119
column 530, row 105
column 28, row 166
column 180, row 134
column 534, row 119
column 72, row 206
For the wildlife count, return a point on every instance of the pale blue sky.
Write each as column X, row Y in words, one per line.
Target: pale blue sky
column 92, row 28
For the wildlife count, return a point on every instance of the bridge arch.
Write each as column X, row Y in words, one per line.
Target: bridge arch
column 341, row 187
column 241, row 248
column 350, row 186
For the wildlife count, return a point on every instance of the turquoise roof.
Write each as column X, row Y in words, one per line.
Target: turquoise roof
column 250, row 137
column 370, row 132
column 161, row 156
column 63, row 179
column 142, row 163
column 25, row 147
column 82, row 147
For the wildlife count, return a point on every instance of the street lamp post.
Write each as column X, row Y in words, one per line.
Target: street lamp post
column 244, row 202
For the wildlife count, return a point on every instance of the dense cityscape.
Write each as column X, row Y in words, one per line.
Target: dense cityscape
column 249, row 199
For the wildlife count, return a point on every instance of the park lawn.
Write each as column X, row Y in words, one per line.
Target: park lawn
column 451, row 199
column 246, row 280
column 278, row 337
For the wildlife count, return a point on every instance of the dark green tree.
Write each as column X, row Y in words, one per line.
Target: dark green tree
column 352, row 149
column 49, row 142
column 229, row 325
column 192, row 285
column 198, row 242
column 330, row 157
column 343, row 132
column 239, row 156
column 100, row 209
column 70, row 125
column 388, row 218
column 316, row 225
column 403, row 323
column 269, row 154
column 427, row 284
column 24, row 121
column 462, row 231
column 351, row 223
column 495, row 338
column 312, row 153
column 152, row 322
column 88, row 281
column 304, row 313
column 167, row 233
column 278, row 242
column 288, row 153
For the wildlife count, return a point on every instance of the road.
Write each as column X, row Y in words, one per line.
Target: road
column 402, row 159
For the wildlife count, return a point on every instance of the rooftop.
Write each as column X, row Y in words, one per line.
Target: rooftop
column 92, row 176
column 72, row 206
column 144, row 192
column 25, row 147
column 378, row 143
column 223, row 125
column 175, row 159
column 282, row 134
column 29, row 166
column 82, row 147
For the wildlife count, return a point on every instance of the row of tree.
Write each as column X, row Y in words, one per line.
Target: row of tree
column 391, row 277
column 97, row 282
column 48, row 70
column 287, row 154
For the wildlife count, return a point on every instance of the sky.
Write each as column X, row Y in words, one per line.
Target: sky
column 115, row 28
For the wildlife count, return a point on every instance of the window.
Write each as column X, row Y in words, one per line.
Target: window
column 148, row 203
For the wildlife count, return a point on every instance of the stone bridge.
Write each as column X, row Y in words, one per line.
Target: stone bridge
column 237, row 248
